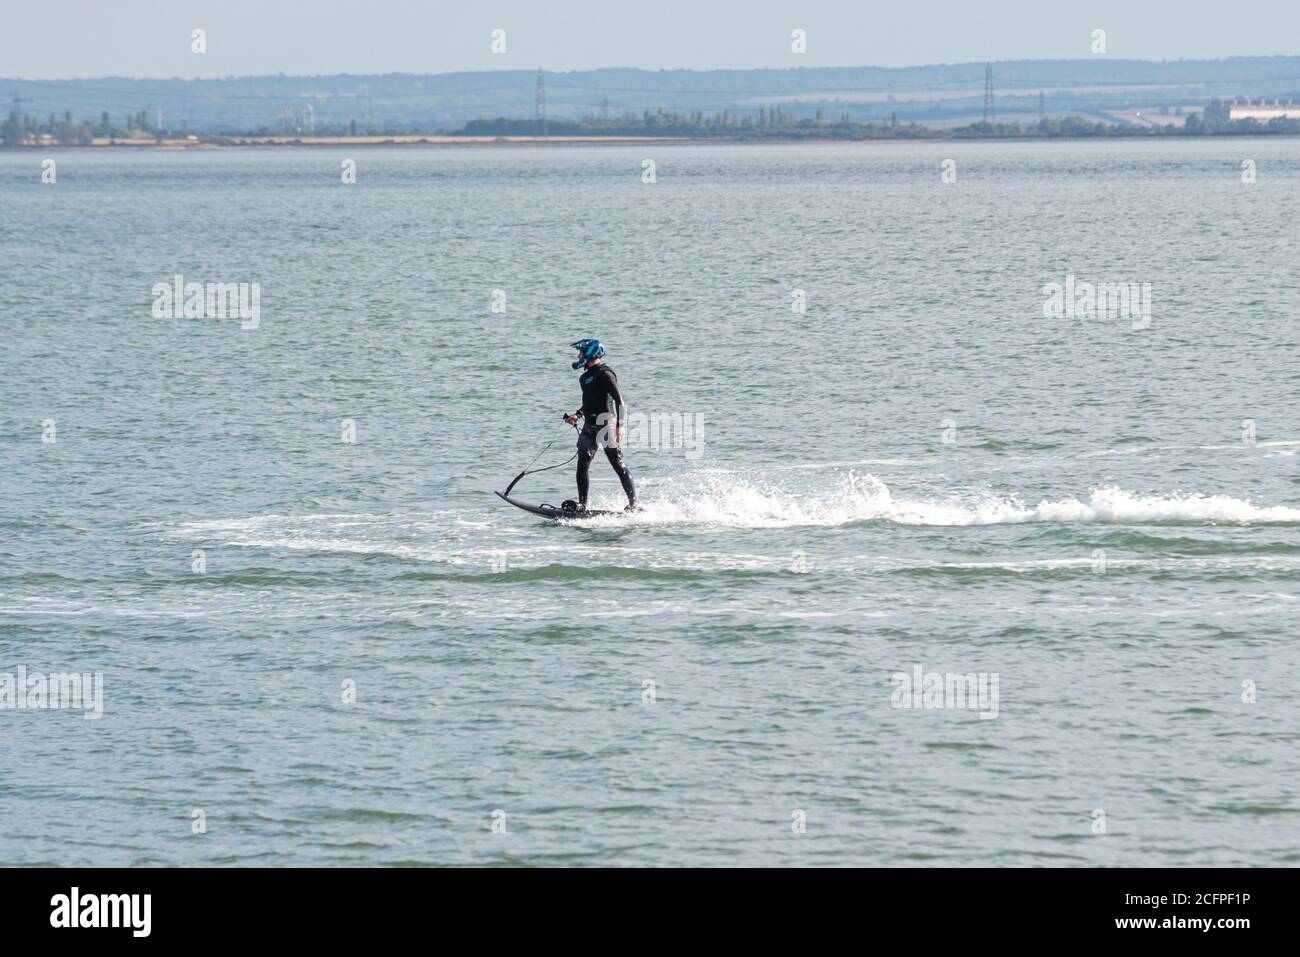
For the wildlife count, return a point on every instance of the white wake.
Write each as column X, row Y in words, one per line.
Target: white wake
column 728, row 500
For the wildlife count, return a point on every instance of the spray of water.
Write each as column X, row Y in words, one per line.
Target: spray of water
column 728, row 500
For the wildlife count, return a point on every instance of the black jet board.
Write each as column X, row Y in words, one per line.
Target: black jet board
column 559, row 514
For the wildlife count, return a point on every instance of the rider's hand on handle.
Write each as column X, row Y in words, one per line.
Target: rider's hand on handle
column 571, row 418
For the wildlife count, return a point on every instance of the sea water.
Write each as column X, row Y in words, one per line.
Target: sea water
column 930, row 571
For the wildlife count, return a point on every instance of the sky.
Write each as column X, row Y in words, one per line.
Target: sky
column 50, row 39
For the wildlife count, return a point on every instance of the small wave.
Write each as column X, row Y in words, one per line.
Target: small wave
column 1075, row 567
column 1230, row 447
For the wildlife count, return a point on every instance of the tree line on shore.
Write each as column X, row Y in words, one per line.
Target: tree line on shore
column 20, row 128
column 775, row 123
column 766, row 123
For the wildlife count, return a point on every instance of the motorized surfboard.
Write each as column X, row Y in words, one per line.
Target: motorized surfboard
column 556, row 513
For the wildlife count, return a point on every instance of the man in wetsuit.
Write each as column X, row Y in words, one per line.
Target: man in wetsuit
column 604, row 419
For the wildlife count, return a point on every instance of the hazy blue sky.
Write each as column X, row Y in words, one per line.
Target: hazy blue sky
column 79, row 38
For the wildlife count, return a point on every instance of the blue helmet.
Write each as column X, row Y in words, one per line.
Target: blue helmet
column 588, row 349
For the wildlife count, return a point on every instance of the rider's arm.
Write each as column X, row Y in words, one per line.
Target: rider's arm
column 614, row 403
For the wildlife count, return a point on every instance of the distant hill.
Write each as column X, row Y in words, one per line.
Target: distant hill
column 399, row 102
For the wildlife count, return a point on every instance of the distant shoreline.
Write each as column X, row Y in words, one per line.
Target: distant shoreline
column 416, row 141
column 291, row 142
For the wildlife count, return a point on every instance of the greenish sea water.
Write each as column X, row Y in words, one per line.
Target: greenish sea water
column 324, row 641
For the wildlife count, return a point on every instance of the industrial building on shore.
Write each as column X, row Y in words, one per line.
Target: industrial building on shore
column 1227, row 111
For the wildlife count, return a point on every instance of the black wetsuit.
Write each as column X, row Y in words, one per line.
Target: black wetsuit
column 603, row 411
